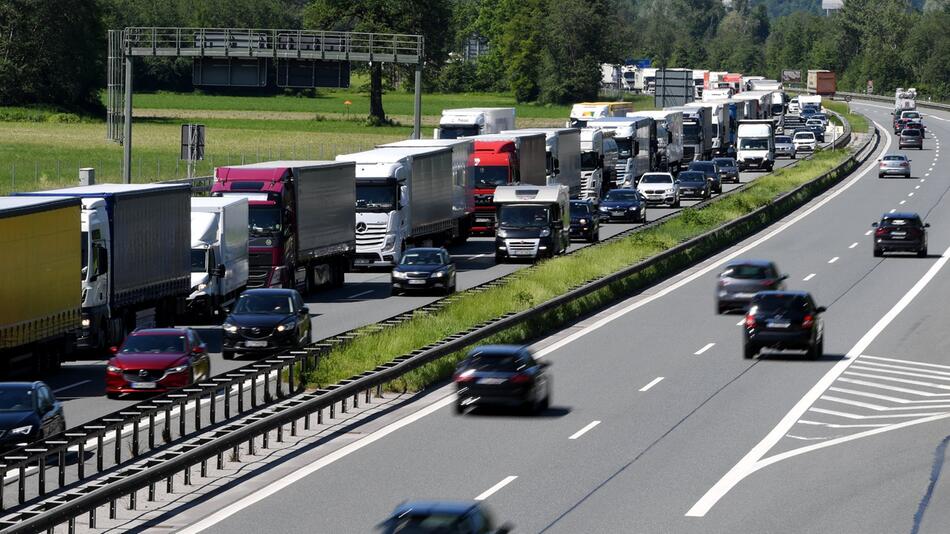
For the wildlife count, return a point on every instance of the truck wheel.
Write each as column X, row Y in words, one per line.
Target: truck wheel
column 499, row 258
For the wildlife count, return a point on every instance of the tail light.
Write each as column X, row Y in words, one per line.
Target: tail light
column 750, row 321
column 721, row 283
column 880, row 232
column 520, row 378
column 904, row 164
column 768, row 283
column 808, row 321
column 464, row 376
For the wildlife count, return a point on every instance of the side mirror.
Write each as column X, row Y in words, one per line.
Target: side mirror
column 504, row 529
column 783, row 277
column 926, row 225
column 873, row 225
column 198, row 350
column 305, row 311
column 219, row 271
column 113, row 350
column 821, row 309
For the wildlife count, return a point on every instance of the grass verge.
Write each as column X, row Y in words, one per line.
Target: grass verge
column 529, row 287
column 859, row 123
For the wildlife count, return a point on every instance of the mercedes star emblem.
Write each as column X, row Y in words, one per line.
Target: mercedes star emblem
column 361, row 227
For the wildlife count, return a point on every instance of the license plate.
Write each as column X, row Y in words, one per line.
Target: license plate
column 744, row 295
column 778, row 324
column 416, row 282
column 898, row 234
column 522, row 253
column 255, row 344
column 617, row 213
column 360, row 261
column 491, row 381
column 144, row 385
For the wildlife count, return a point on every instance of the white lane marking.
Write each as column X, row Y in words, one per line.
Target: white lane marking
column 899, row 380
column 714, row 265
column 892, row 210
column 896, row 372
column 878, row 407
column 924, row 179
column 753, row 461
column 300, row 474
column 916, row 187
column 889, row 387
column 652, row 383
column 706, row 347
column 809, row 277
column 584, row 430
column 832, row 260
column 876, row 365
column 888, row 398
column 855, row 416
column 741, row 322
column 836, row 425
column 71, row 386
column 853, row 244
column 868, row 232
column 803, row 438
column 360, row 294
column 924, row 364
column 910, row 194
column 902, row 202
column 488, row 493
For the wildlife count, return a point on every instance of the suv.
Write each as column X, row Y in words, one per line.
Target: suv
column 439, row 517
column 741, row 280
column 903, row 232
column 502, row 375
column 711, row 170
column 894, row 164
column 660, row 188
column 805, row 142
column 728, row 169
column 784, row 320
column 264, row 321
column 911, row 138
column 156, row 360
column 817, row 128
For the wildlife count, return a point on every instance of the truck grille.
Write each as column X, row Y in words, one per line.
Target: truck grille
column 522, row 247
column 257, row 277
column 485, row 199
column 370, row 234
column 689, row 153
column 259, row 259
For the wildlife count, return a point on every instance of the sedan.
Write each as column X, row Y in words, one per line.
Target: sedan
column 728, row 169
column 660, row 188
column 711, row 170
column 502, row 375
column 265, row 321
column 784, row 147
column 623, row 205
column 784, row 320
column 29, row 412
column 157, row 360
column 818, row 128
column 900, row 232
column 911, row 138
column 822, row 117
column 442, row 517
column 694, row 184
column 422, row 269
column 585, row 221
column 740, row 281
column 805, row 142
column 894, row 165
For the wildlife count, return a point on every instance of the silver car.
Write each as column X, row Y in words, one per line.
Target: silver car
column 893, row 165
column 742, row 279
column 784, row 147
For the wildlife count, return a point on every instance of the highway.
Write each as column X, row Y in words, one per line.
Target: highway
column 659, row 425
column 363, row 300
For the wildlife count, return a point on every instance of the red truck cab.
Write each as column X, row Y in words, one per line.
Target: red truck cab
column 494, row 163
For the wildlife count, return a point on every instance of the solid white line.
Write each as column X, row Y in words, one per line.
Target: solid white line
column 837, row 425
column 488, row 493
column 360, row 294
column 893, row 388
column 832, row 260
column 652, row 383
column 77, row 384
column 752, row 461
column 809, row 277
column 706, row 347
column 853, row 244
column 584, row 430
column 856, row 416
column 925, row 364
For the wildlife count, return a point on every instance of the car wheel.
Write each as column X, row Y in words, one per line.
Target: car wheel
column 878, row 253
column 720, row 309
column 227, row 354
column 749, row 351
column 459, row 408
column 498, row 258
column 880, row 176
column 112, row 396
column 922, row 253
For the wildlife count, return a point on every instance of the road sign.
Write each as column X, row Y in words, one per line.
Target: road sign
column 192, row 142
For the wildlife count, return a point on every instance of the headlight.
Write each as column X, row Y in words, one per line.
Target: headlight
column 22, row 431
column 545, row 232
column 201, row 287
column 230, row 328
column 633, row 208
column 603, row 208
column 390, row 241
column 501, row 233
column 113, row 369
column 289, row 325
column 438, row 274
column 86, row 322
column 179, row 369
column 582, row 221
column 399, row 274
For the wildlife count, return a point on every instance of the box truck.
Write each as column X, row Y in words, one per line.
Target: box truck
column 40, row 316
column 562, row 156
column 756, row 144
column 905, row 100
column 533, row 222
column 137, row 268
column 219, row 254
column 636, row 139
column 669, row 136
column 821, row 82
column 697, row 133
column 301, row 219
column 585, row 112
column 403, row 198
column 466, row 122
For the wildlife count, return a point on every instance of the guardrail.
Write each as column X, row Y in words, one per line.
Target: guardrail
column 843, row 95
column 197, row 451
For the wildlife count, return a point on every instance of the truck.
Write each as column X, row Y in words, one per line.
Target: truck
column 699, row 81
column 562, row 156
column 219, row 254
column 610, row 76
column 533, row 222
column 632, row 78
column 752, row 104
column 765, row 85
column 721, row 125
column 403, row 198
column 466, row 122
column 42, row 303
column 301, row 219
column 821, row 82
column 756, row 144
column 669, row 136
column 585, row 112
column 648, row 84
column 809, row 100
column 905, row 100
column 697, row 133
column 592, row 162
column 136, row 269
column 747, row 82
column 504, row 160
column 463, row 177
column 636, row 139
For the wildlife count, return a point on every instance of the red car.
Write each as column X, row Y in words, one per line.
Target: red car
column 157, row 360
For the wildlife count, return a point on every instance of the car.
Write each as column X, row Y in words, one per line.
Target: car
column 712, row 173
column 899, row 125
column 694, row 184
column 728, row 169
column 822, row 117
column 422, row 269
column 502, row 375
column 29, row 411
column 659, row 188
column 784, row 146
column 585, row 221
column 817, row 128
column 264, row 321
column 900, row 232
column 442, row 517
column 910, row 138
column 894, row 164
column 157, row 360
column 741, row 279
column 808, row 112
column 805, row 142
column 915, row 125
column 623, row 205
column 784, row 320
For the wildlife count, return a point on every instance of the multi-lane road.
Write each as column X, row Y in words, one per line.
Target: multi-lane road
column 659, row 425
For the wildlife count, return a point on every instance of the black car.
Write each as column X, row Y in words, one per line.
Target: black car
column 712, row 173
column 900, row 232
column 29, row 412
column 786, row 320
column 502, row 375
column 442, row 517
column 741, row 280
column 694, row 184
column 623, row 205
column 266, row 321
column 423, row 269
column 728, row 169
column 585, row 221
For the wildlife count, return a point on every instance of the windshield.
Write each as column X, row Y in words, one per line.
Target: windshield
column 421, row 258
column 692, row 177
column 911, row 115
column 893, row 158
column 13, row 399
column 375, row 197
column 777, row 109
column 746, row 272
column 171, row 344
column 622, row 195
column 779, row 304
column 263, row 220
column 263, row 303
column 199, row 260
column 491, row 176
column 691, row 132
column 424, row 524
column 754, row 144
column 624, row 148
column 454, row 132
column 656, row 179
column 783, row 139
column 589, row 161
column 579, row 209
column 512, row 216
column 702, row 166
column 725, row 162
column 909, row 132
column 494, row 363
column 805, row 136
